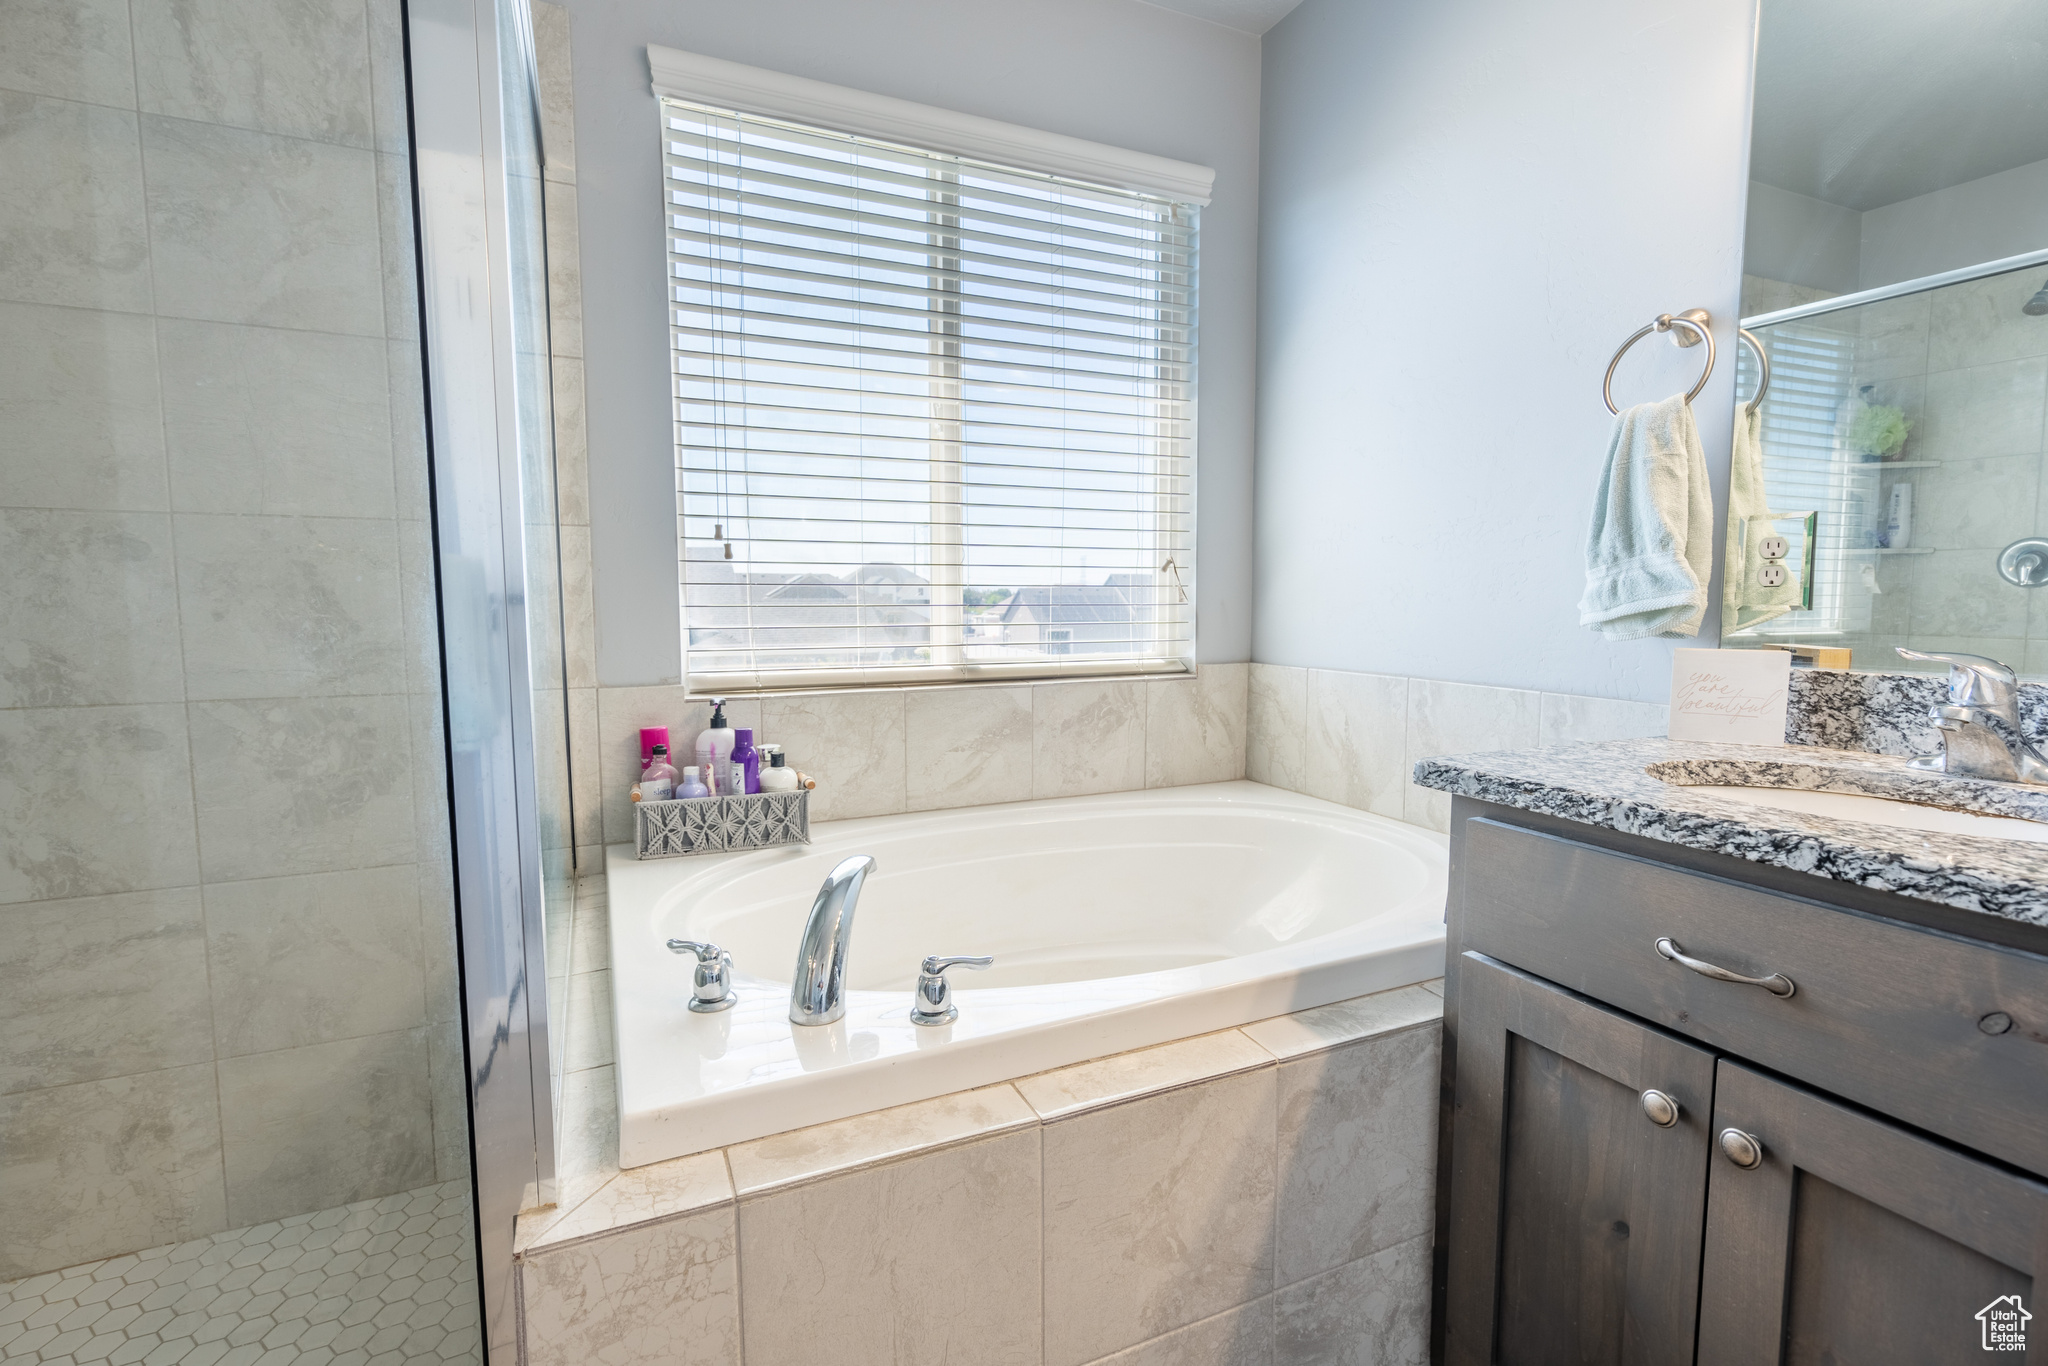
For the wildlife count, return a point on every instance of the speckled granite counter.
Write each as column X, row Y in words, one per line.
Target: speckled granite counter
column 1610, row 784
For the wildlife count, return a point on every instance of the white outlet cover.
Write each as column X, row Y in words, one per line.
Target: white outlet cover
column 1773, row 547
column 1772, row 575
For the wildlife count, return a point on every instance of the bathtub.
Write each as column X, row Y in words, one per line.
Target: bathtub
column 1116, row 922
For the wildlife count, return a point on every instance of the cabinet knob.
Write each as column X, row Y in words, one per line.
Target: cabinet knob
column 1661, row 1108
column 1742, row 1149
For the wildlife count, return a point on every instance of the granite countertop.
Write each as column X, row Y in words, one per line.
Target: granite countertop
column 1621, row 785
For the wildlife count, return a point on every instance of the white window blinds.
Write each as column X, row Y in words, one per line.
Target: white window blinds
column 934, row 417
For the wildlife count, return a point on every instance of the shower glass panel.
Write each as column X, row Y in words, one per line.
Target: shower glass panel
column 234, row 1096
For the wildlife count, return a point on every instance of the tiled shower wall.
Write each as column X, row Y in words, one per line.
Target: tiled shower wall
column 226, row 930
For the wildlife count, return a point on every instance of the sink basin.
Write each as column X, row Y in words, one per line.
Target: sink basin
column 1850, row 806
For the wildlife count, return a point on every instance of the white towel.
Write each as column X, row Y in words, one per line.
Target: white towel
column 1745, row 601
column 1651, row 549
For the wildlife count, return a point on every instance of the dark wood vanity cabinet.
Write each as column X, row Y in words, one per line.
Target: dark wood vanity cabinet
column 1626, row 1185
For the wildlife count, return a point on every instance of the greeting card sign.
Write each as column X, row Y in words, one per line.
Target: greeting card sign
column 1734, row 696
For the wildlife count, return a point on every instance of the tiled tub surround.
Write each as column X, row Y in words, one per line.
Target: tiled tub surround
column 883, row 751
column 1116, row 921
column 1261, row 1196
column 236, row 1003
column 1610, row 785
column 1352, row 738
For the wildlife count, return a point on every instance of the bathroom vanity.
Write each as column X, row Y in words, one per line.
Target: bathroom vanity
column 1732, row 1084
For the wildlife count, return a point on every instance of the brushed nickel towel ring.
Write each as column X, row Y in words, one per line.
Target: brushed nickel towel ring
column 1763, row 364
column 1694, row 320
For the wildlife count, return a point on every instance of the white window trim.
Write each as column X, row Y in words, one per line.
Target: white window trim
column 753, row 90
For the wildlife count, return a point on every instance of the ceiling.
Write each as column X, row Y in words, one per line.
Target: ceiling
column 1250, row 16
column 1866, row 102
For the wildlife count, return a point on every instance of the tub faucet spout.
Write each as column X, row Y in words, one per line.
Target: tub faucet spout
column 817, row 994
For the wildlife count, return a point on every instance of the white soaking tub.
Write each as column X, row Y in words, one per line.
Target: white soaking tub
column 1116, row 922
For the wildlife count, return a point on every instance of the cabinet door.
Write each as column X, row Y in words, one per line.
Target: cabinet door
column 1575, row 1217
column 1854, row 1240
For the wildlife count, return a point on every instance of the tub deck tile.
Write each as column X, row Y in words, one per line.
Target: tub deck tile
column 1068, row 1091
column 1361, row 1017
column 801, row 1155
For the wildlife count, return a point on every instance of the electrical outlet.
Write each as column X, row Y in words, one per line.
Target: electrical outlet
column 1773, row 575
column 1773, row 547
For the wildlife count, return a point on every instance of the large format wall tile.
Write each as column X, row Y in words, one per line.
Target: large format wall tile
column 80, row 421
column 557, row 90
column 661, row 1294
column 572, row 441
column 299, row 67
column 1457, row 718
column 851, row 742
column 260, row 419
column 936, row 1258
column 1372, row 1312
column 1194, row 728
column 1357, row 1151
column 1980, row 322
column 90, row 612
column 1959, row 594
column 1158, row 1212
column 1892, row 338
column 67, row 834
column 1976, row 504
column 565, row 275
column 579, row 608
column 72, row 49
column 102, row 987
column 1357, row 727
column 1237, row 1337
column 72, row 215
column 1565, row 718
column 302, row 786
column 312, row 959
column 255, row 228
column 309, row 1128
column 289, row 606
column 1087, row 737
column 967, row 746
column 107, row 1167
column 1983, row 411
column 1276, row 727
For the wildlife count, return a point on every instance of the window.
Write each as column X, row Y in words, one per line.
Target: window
column 934, row 415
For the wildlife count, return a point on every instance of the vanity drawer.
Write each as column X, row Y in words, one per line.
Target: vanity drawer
column 1882, row 1014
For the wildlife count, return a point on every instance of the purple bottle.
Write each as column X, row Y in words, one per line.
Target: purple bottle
column 745, row 762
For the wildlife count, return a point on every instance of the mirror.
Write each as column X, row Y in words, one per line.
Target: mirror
column 1888, row 489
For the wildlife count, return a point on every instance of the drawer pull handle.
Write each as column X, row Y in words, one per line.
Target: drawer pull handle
column 1778, row 984
column 1742, row 1149
column 1661, row 1109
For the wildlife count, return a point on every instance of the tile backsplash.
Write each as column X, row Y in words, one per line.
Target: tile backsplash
column 1352, row 738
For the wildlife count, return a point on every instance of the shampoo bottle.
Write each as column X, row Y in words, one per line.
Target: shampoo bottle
column 1898, row 525
column 776, row 778
column 714, row 751
column 693, row 786
column 658, row 783
column 746, row 762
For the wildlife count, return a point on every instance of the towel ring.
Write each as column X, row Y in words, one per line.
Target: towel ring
column 1763, row 362
column 1693, row 319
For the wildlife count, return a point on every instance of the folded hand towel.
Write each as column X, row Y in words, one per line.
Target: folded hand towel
column 1746, row 601
column 1651, row 549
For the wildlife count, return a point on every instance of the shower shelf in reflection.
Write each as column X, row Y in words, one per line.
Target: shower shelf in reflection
column 1907, row 550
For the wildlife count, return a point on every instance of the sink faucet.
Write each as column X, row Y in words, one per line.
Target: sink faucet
column 1980, row 723
column 817, row 994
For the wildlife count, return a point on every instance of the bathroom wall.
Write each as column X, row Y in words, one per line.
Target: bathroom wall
column 1115, row 71
column 1466, row 207
column 226, row 927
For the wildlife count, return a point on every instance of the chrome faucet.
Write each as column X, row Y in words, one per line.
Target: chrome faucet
column 817, row 994
column 1980, row 723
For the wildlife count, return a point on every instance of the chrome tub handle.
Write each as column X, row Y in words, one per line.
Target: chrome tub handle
column 1778, row 984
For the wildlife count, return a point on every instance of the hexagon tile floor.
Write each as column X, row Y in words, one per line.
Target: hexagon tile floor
column 379, row 1283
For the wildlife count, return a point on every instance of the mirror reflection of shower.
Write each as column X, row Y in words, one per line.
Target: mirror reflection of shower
column 2038, row 305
